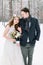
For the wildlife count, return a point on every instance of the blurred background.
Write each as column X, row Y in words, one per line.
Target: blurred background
column 10, row 7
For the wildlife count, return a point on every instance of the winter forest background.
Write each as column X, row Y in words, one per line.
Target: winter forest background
column 10, row 7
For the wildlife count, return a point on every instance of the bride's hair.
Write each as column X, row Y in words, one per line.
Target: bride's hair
column 11, row 22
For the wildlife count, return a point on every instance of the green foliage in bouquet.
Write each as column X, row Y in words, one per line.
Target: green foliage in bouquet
column 12, row 34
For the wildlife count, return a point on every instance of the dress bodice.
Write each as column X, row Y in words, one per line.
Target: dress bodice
column 11, row 29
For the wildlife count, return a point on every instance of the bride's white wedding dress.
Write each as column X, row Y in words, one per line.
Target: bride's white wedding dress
column 11, row 53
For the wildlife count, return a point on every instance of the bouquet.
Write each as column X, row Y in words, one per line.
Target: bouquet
column 15, row 34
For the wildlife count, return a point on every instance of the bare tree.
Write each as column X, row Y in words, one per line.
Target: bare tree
column 10, row 8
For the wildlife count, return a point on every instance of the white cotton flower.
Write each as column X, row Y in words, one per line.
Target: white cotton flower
column 18, row 34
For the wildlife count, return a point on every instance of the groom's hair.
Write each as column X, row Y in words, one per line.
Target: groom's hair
column 25, row 10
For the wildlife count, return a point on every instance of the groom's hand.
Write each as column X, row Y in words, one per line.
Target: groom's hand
column 18, row 43
column 19, row 29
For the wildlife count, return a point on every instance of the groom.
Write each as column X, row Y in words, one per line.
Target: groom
column 30, row 33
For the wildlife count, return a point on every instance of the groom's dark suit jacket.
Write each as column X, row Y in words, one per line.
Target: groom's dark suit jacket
column 34, row 31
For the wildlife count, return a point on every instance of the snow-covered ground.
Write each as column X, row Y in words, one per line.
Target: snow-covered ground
column 38, row 51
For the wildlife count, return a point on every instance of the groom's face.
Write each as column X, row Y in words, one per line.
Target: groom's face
column 24, row 14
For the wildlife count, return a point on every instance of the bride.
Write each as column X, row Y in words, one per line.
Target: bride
column 12, row 52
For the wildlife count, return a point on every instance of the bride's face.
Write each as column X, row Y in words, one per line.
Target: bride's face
column 16, row 20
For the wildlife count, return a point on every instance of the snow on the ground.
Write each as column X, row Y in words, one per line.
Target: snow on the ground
column 2, row 40
column 38, row 51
